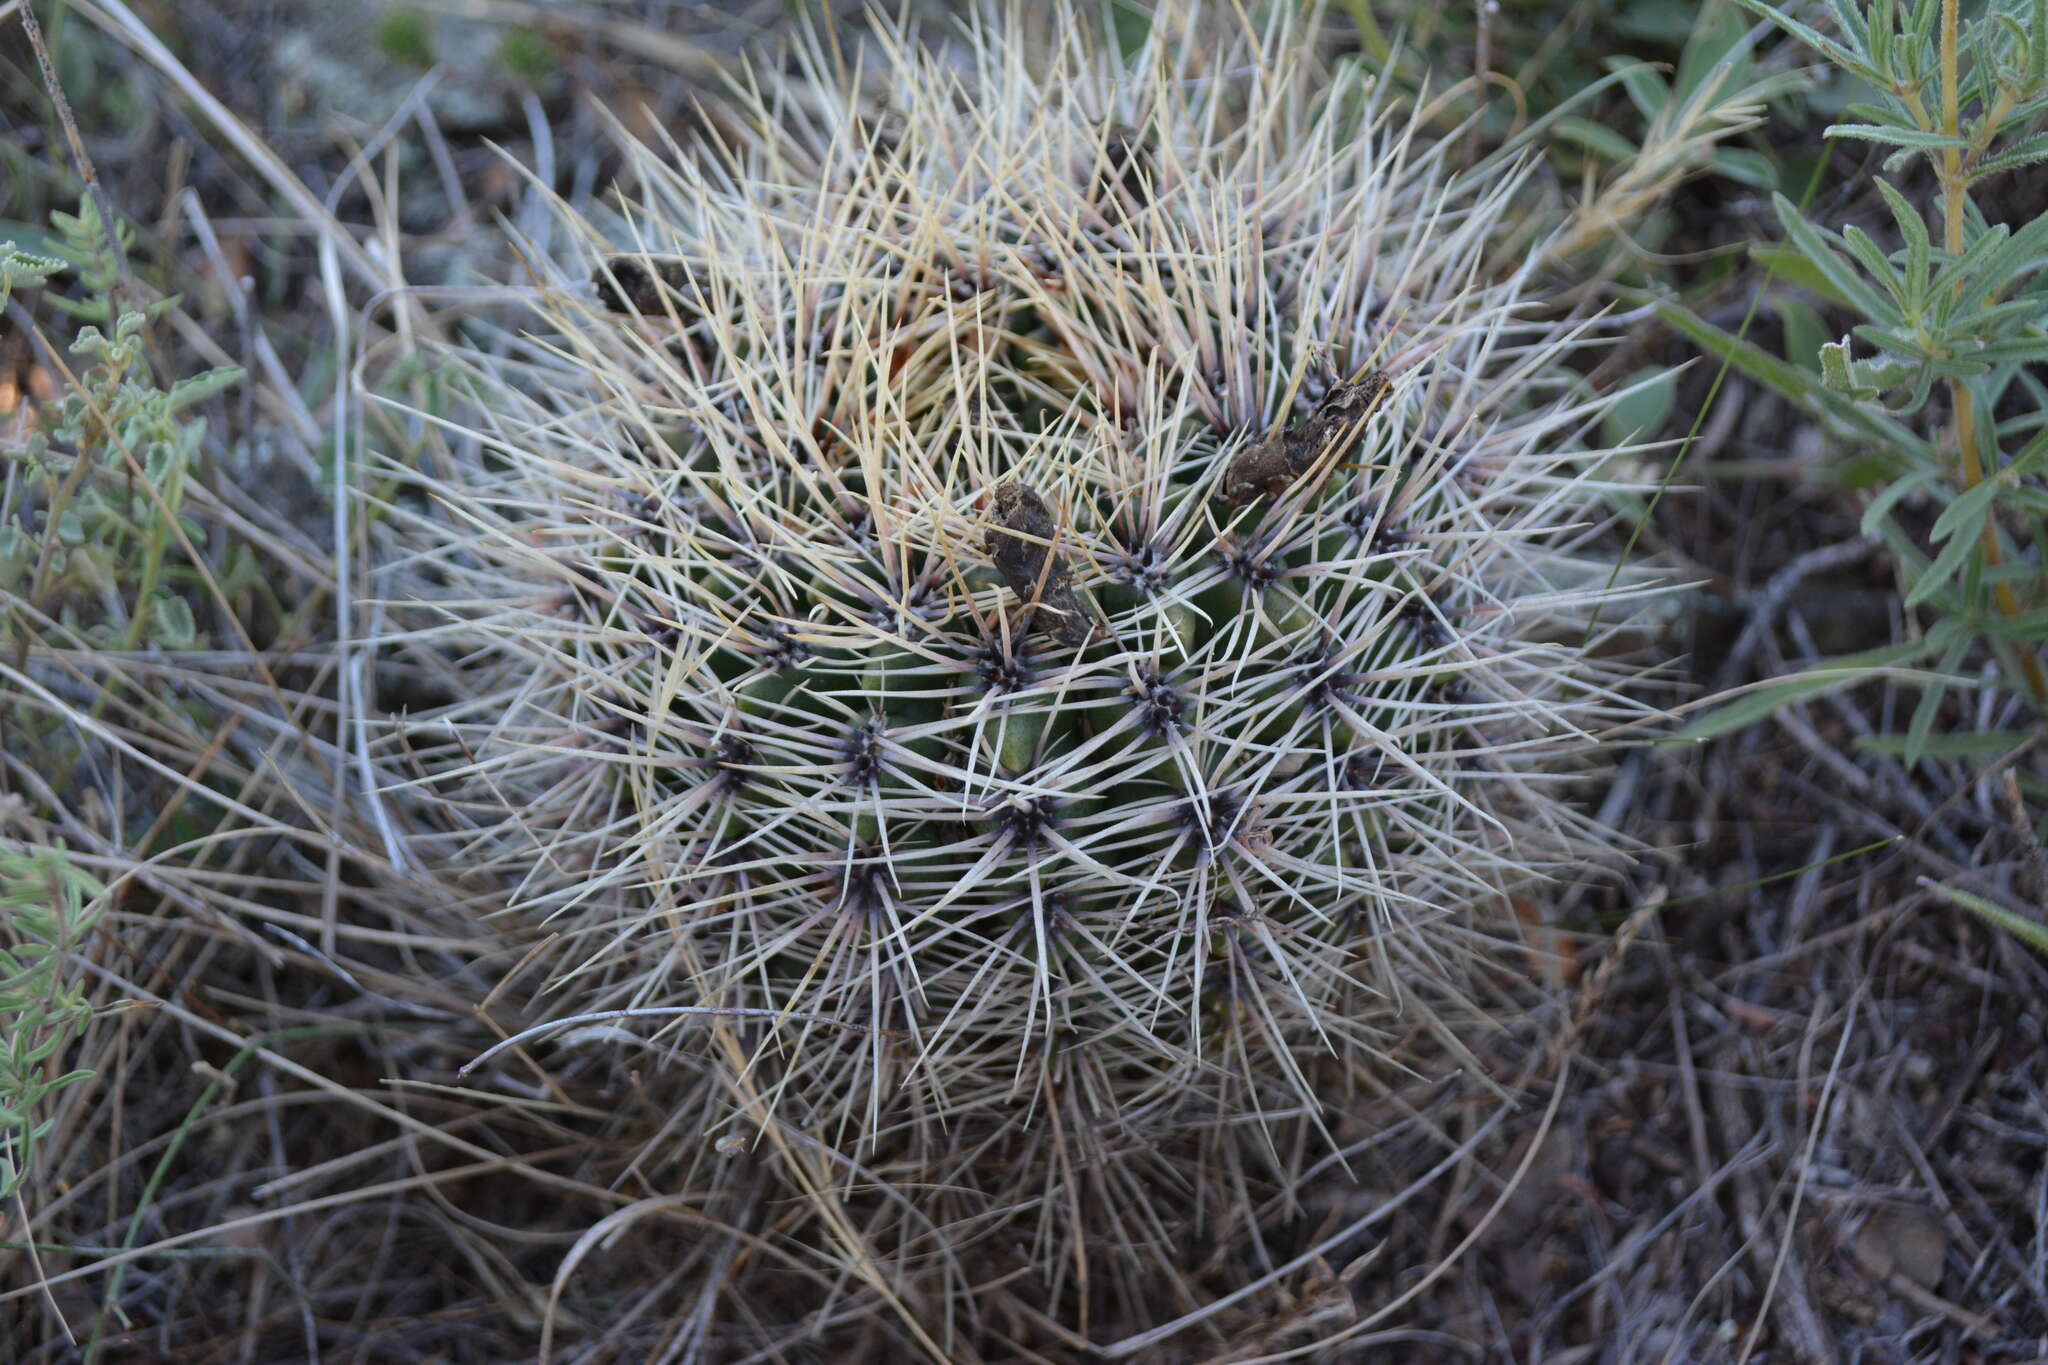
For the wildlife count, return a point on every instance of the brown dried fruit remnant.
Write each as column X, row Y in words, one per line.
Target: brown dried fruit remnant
column 648, row 285
column 1126, row 165
column 1019, row 541
column 1316, row 444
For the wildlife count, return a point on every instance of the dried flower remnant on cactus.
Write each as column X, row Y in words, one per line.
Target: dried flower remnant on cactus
column 1022, row 540
column 1129, row 166
column 647, row 286
column 1313, row 447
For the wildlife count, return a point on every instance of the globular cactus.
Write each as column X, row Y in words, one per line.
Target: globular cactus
column 1056, row 595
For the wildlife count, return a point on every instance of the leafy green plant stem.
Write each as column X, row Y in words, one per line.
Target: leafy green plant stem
column 61, row 107
column 1960, row 302
column 48, row 906
column 1952, row 171
column 152, row 570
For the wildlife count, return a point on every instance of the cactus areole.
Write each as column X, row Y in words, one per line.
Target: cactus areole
column 1069, row 576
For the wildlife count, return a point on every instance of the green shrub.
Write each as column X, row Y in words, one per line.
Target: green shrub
column 1949, row 306
column 90, row 508
column 47, row 908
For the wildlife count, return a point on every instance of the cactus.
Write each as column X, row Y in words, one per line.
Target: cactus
column 1059, row 602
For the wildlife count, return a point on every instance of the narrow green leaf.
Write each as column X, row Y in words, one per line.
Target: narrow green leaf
column 202, row 386
column 1829, row 675
column 1854, row 22
column 1745, row 167
column 2030, row 457
column 1919, row 245
column 1793, row 267
column 1597, row 137
column 2031, row 501
column 1641, row 411
column 1921, row 28
column 1898, row 343
column 1951, row 557
column 2023, row 153
column 1746, row 356
column 1822, row 253
column 2022, row 311
column 1977, row 248
column 2029, row 932
column 1805, row 33
column 2026, row 628
column 1894, row 135
column 1646, row 89
column 2006, row 260
column 1875, row 263
column 1805, row 333
column 1877, row 40
column 1978, row 745
column 1897, row 491
column 1794, row 383
column 1933, row 688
